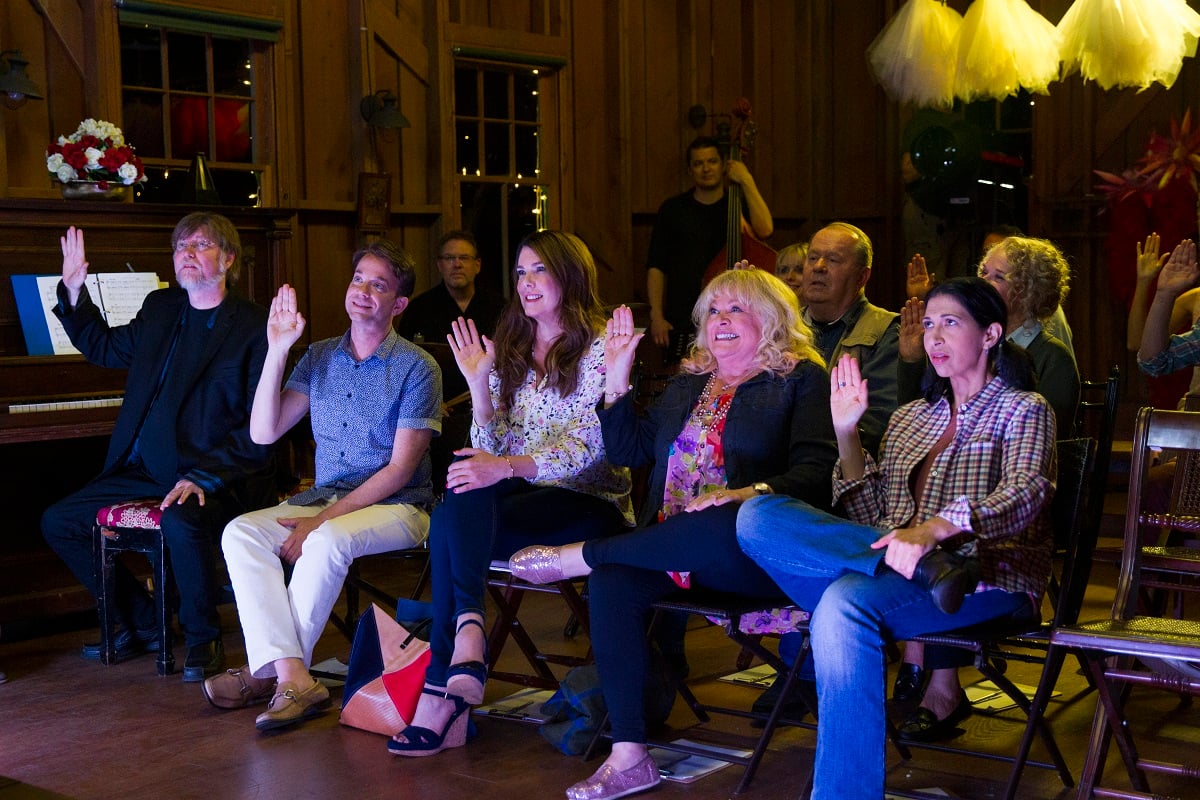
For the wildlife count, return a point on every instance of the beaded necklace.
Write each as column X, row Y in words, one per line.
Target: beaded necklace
column 708, row 412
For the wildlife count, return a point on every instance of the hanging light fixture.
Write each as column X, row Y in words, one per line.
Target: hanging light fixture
column 913, row 56
column 15, row 85
column 380, row 111
column 1005, row 46
column 1128, row 43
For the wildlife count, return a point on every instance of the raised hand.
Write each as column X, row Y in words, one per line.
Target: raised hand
column 75, row 265
column 285, row 324
column 620, row 349
column 1149, row 262
column 919, row 280
column 847, row 394
column 912, row 330
column 473, row 352
column 1180, row 272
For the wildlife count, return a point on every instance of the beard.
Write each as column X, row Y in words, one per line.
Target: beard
column 198, row 281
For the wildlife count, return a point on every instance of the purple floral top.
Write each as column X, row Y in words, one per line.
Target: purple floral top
column 695, row 464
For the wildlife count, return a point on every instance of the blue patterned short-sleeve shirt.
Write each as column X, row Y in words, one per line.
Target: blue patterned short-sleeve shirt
column 356, row 408
column 1182, row 351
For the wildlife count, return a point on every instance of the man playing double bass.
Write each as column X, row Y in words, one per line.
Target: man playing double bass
column 689, row 232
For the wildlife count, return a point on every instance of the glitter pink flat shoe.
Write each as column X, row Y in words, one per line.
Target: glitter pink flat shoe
column 537, row 564
column 607, row 783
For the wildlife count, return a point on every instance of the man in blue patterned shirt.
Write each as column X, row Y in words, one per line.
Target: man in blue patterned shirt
column 374, row 400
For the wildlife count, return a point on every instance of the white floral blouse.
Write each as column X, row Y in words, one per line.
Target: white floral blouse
column 560, row 434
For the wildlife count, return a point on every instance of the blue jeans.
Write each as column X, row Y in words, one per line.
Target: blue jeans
column 467, row 531
column 858, row 604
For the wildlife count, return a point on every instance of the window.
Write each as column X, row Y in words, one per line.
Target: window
column 188, row 92
column 499, row 140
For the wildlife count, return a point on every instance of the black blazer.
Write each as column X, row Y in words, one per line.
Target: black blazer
column 778, row 430
column 208, row 440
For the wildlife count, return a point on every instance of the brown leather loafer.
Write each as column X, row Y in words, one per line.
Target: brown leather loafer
column 238, row 688
column 291, row 704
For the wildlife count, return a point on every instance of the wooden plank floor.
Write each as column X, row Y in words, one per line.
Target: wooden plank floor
column 86, row 731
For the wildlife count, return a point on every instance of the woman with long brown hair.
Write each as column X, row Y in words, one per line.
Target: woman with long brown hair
column 536, row 469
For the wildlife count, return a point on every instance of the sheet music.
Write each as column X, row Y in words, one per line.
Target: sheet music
column 118, row 295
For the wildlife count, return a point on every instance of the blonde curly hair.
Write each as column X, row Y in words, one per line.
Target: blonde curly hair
column 1038, row 276
column 786, row 339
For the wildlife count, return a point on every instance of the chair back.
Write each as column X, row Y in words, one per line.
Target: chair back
column 1156, row 430
column 1185, row 490
column 1075, row 527
column 1098, row 418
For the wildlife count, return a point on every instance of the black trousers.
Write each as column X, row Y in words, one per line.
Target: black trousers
column 629, row 575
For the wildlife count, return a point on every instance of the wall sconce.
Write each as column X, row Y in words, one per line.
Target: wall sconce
column 15, row 85
column 379, row 110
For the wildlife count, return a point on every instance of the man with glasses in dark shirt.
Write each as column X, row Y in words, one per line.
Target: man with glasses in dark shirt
column 428, row 317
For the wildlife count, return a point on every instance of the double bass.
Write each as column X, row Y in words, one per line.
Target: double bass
column 740, row 241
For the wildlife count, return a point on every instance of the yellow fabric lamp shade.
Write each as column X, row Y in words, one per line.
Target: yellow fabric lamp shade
column 1128, row 43
column 913, row 56
column 1005, row 46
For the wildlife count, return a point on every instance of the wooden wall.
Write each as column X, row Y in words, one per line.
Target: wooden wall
column 827, row 147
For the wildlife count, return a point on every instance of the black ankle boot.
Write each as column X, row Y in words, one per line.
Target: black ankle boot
column 948, row 576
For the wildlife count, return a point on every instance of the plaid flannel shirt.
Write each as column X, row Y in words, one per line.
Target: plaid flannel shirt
column 994, row 481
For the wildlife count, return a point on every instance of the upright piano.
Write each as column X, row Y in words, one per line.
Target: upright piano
column 56, row 412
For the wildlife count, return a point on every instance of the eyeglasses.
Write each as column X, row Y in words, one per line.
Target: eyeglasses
column 199, row 246
column 458, row 259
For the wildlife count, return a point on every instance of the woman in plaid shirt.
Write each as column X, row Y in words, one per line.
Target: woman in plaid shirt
column 946, row 529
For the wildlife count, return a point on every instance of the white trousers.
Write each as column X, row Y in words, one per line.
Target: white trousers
column 285, row 621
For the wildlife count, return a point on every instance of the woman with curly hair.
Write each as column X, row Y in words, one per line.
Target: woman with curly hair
column 1032, row 276
column 536, row 469
column 748, row 416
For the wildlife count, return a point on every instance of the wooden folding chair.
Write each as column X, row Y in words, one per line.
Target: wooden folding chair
column 509, row 593
column 1131, row 649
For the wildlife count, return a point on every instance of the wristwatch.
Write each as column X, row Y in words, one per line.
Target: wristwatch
column 762, row 488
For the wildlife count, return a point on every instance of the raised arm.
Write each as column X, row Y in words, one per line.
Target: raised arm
column 1178, row 275
column 848, row 401
column 475, row 356
column 919, row 280
column 1149, row 263
column 75, row 265
column 274, row 412
column 620, row 351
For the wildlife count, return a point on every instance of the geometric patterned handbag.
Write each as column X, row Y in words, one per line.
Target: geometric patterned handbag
column 385, row 675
